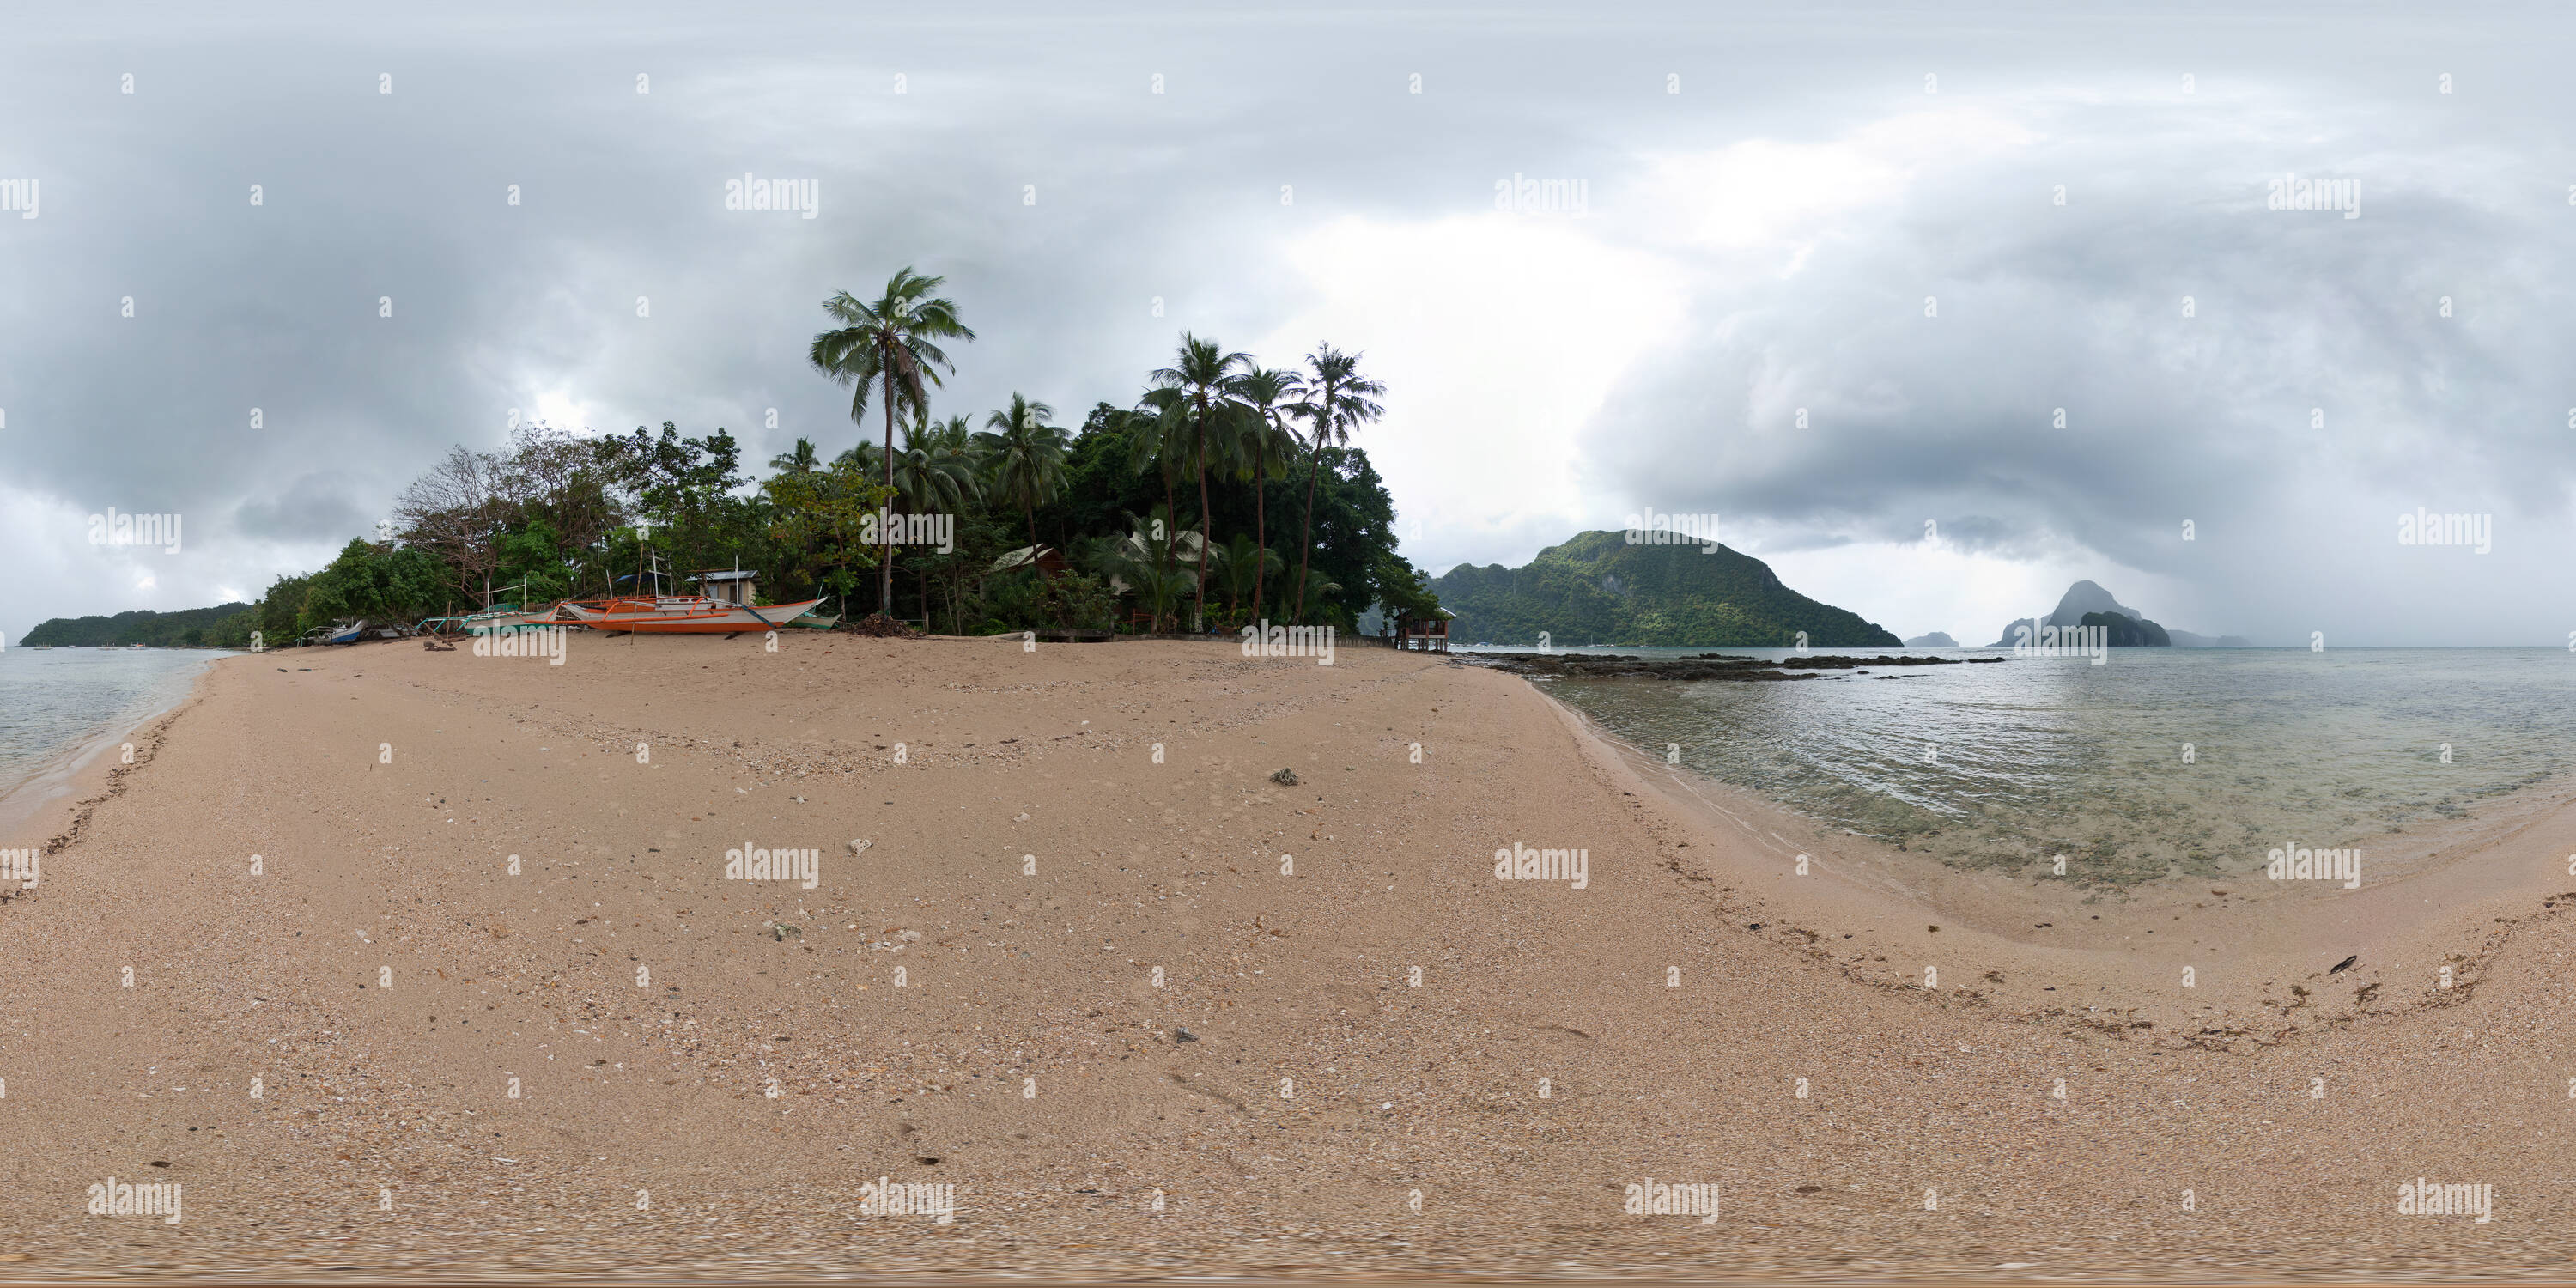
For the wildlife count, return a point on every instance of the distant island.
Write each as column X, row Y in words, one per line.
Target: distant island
column 1937, row 639
column 1598, row 589
column 2087, row 604
column 188, row 628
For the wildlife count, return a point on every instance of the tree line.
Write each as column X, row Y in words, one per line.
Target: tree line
column 1225, row 492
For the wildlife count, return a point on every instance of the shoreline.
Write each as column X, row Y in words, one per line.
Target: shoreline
column 1057, row 956
column 1870, row 897
column 54, row 799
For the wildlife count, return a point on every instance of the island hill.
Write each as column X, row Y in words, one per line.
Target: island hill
column 1598, row 589
column 214, row 627
column 2087, row 604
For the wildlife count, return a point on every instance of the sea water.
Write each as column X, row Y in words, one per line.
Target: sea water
column 55, row 702
column 2159, row 762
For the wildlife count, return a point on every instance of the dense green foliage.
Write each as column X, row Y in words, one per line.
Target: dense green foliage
column 189, row 628
column 1598, row 589
column 1041, row 526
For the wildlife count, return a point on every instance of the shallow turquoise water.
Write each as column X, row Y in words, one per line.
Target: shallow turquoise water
column 2038, row 757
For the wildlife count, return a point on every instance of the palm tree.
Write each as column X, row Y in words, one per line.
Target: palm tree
column 1205, row 378
column 934, row 471
column 1241, row 563
column 1269, row 440
column 955, row 434
column 1342, row 401
column 1142, row 561
column 1026, row 458
column 800, row 461
column 890, row 341
column 1156, row 438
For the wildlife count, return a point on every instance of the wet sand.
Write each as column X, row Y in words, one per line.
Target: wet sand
column 932, row 1011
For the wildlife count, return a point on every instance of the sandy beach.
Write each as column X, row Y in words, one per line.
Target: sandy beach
column 1068, row 949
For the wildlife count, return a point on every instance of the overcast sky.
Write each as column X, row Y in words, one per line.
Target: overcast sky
column 1929, row 227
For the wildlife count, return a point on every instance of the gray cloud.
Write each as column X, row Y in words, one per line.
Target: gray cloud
column 317, row 507
column 1177, row 196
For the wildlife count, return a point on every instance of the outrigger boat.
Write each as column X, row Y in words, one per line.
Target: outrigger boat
column 729, row 611
column 816, row 619
column 684, row 615
column 500, row 616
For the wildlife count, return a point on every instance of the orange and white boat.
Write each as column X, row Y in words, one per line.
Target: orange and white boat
column 683, row 615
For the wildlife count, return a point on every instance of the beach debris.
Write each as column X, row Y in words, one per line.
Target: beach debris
column 2341, row 966
column 860, row 845
column 1285, row 778
column 1184, row 1035
column 881, row 626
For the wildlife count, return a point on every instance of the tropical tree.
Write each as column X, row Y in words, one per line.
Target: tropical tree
column 1205, row 377
column 1141, row 562
column 1340, row 400
column 935, row 470
column 458, row 512
column 822, row 515
column 1158, row 438
column 892, row 342
column 803, row 460
column 938, row 470
column 1267, row 442
column 1025, row 459
column 380, row 582
column 1240, row 565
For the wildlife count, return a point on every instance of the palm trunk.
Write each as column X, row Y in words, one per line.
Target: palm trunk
column 1198, row 615
column 1260, row 521
column 885, row 581
column 1171, row 522
column 1306, row 553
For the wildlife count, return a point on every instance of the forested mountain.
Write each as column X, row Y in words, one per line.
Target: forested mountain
column 1598, row 589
